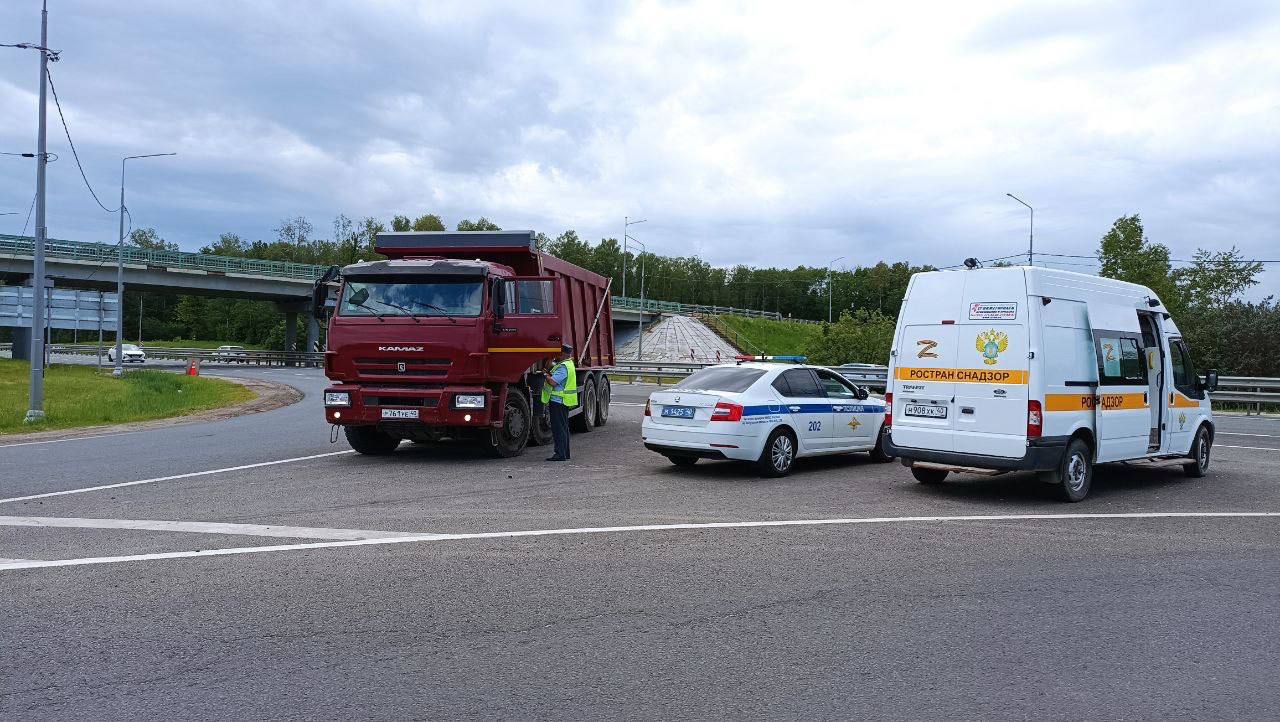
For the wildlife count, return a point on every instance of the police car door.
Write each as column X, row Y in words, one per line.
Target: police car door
column 852, row 420
column 807, row 407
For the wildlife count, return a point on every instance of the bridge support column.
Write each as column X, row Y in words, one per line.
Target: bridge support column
column 313, row 333
column 290, row 334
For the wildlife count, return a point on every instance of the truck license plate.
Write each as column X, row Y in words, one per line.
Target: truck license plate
column 678, row 412
column 930, row 412
column 399, row 413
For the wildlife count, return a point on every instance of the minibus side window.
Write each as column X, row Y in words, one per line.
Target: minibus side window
column 1120, row 360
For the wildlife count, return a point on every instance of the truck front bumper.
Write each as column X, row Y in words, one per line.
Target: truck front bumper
column 1043, row 454
column 433, row 407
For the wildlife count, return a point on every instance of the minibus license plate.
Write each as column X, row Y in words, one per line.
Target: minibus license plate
column 399, row 413
column 678, row 412
column 930, row 412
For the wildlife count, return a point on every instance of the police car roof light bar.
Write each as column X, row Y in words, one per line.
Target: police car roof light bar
column 789, row 359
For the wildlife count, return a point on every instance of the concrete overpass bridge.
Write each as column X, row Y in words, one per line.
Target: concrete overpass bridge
column 76, row 264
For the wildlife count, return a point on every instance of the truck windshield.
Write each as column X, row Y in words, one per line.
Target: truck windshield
column 430, row 298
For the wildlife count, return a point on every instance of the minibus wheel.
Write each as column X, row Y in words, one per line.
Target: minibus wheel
column 1200, row 448
column 1074, row 474
column 926, row 475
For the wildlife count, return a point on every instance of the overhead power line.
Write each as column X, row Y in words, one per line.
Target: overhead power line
column 74, row 154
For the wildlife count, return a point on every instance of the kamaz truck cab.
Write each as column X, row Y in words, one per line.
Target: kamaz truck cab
column 446, row 339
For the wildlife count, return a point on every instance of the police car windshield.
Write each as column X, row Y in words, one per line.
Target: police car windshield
column 731, row 380
column 434, row 298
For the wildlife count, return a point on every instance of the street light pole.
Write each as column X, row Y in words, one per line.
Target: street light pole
column 626, row 223
column 640, row 339
column 829, row 289
column 118, row 371
column 35, row 400
column 1031, row 240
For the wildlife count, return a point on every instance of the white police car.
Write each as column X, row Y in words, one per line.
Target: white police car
column 767, row 413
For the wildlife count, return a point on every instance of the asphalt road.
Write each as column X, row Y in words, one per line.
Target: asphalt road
column 345, row 616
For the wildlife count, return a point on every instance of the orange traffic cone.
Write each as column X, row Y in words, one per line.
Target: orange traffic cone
column 193, row 367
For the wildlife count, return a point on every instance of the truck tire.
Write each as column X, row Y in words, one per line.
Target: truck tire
column 929, row 476
column 511, row 439
column 1201, row 445
column 604, row 393
column 586, row 421
column 540, row 428
column 779, row 454
column 368, row 440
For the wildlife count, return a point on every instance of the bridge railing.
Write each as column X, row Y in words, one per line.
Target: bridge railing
column 106, row 253
column 649, row 304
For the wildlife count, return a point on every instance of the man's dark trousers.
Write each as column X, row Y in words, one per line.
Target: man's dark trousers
column 560, row 429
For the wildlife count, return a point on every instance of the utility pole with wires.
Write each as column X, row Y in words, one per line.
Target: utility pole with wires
column 35, row 400
column 1031, row 239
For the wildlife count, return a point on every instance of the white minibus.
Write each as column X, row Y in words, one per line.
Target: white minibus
column 1034, row 369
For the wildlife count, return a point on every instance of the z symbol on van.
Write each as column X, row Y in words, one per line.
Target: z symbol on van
column 991, row 344
column 927, row 347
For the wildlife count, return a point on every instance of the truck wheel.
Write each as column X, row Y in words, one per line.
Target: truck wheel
column 878, row 452
column 603, row 394
column 540, row 429
column 586, row 421
column 510, row 440
column 778, row 455
column 1075, row 473
column 926, row 475
column 369, row 441
column 1200, row 448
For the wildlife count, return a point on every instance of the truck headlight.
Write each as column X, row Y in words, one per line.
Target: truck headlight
column 468, row 401
column 337, row 398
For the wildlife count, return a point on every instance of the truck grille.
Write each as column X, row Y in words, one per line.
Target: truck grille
column 426, row 402
column 414, row 368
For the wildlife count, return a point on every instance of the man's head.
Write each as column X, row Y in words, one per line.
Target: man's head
column 566, row 352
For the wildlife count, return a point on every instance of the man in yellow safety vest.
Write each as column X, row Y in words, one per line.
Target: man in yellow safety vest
column 559, row 394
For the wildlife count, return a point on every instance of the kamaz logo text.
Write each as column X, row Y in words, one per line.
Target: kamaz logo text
column 400, row 348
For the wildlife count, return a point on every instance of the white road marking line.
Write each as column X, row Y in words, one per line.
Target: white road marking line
column 641, row 528
column 175, row 476
column 15, row 561
column 624, row 403
column 1255, row 448
column 69, row 438
column 1237, row 433
column 201, row 527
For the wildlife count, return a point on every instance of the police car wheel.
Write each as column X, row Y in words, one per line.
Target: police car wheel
column 1075, row 474
column 1201, row 446
column 683, row 460
column 779, row 454
column 878, row 452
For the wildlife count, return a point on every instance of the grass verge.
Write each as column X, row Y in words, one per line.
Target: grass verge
column 765, row 336
column 84, row 396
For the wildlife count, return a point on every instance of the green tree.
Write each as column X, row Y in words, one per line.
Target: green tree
column 483, row 224
column 864, row 336
column 149, row 239
column 1127, row 254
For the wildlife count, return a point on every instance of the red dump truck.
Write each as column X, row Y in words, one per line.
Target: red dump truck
column 447, row 339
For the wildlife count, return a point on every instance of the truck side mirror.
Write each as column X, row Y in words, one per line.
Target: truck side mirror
column 320, row 293
column 499, row 298
column 1210, row 382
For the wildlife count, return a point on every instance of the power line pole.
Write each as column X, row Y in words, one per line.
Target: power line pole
column 1031, row 239
column 830, row 292
column 35, row 402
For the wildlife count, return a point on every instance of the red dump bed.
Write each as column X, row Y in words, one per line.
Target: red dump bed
column 584, row 295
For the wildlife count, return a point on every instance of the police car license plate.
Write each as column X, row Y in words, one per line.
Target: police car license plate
column 930, row 412
column 399, row 413
column 678, row 412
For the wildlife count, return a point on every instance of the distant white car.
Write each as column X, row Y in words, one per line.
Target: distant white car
column 129, row 353
column 767, row 413
column 229, row 354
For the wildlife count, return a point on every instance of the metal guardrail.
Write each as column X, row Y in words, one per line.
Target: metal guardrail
column 246, row 357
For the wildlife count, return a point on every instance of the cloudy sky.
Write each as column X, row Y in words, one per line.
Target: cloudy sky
column 770, row 133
